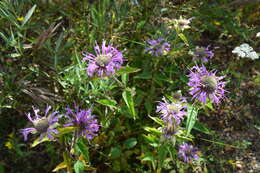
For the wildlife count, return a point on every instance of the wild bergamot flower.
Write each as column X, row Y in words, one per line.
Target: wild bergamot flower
column 205, row 84
column 83, row 120
column 42, row 124
column 158, row 47
column 203, row 54
column 171, row 112
column 188, row 153
column 105, row 62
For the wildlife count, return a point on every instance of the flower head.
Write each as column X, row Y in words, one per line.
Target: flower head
column 245, row 51
column 158, row 47
column 42, row 124
column 171, row 112
column 105, row 62
column 188, row 153
column 203, row 54
column 82, row 119
column 205, row 84
column 182, row 23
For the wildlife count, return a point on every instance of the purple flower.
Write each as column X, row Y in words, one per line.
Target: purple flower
column 188, row 153
column 171, row 112
column 203, row 54
column 158, row 47
column 205, row 84
column 105, row 62
column 42, row 124
column 82, row 119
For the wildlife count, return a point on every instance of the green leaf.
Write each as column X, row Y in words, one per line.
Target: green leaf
column 209, row 105
column 183, row 38
column 2, row 169
column 140, row 24
column 67, row 161
column 109, row 103
column 125, row 79
column 62, row 165
column 144, row 75
column 79, row 166
column 153, row 130
column 115, row 152
column 130, row 143
column 257, row 127
column 191, row 118
column 38, row 141
column 149, row 157
column 66, row 130
column 128, row 98
column 28, row 15
column 202, row 128
column 4, row 37
column 83, row 149
column 162, row 154
column 157, row 120
column 152, row 140
column 127, row 69
column 148, row 106
column 184, row 138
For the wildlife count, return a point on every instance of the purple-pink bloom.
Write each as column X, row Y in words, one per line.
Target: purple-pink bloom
column 205, row 84
column 83, row 120
column 188, row 153
column 171, row 112
column 203, row 54
column 105, row 62
column 42, row 124
column 158, row 47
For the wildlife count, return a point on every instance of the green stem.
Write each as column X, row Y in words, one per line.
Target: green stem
column 220, row 143
column 119, row 82
column 130, row 40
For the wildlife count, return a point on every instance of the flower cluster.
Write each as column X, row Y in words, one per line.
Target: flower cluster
column 205, row 84
column 203, row 54
column 44, row 125
column 105, row 62
column 171, row 112
column 85, row 122
column 182, row 23
column 158, row 47
column 188, row 153
column 245, row 51
column 258, row 34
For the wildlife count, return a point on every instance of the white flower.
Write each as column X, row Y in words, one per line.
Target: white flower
column 245, row 51
column 253, row 55
column 182, row 23
column 258, row 34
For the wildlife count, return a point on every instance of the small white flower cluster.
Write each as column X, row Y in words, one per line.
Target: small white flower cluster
column 258, row 34
column 182, row 23
column 245, row 51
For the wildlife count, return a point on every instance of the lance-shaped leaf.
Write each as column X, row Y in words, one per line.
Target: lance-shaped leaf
column 28, row 15
column 191, row 118
column 128, row 98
